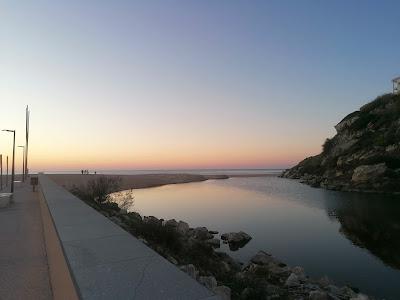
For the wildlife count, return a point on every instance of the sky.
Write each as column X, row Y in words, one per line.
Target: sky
column 188, row 84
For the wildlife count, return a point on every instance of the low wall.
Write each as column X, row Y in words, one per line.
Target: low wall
column 99, row 260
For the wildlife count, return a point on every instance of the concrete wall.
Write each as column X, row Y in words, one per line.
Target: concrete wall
column 103, row 260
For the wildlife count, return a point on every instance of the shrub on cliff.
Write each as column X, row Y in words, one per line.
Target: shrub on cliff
column 327, row 146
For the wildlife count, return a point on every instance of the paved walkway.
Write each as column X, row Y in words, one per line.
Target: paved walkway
column 23, row 262
column 107, row 262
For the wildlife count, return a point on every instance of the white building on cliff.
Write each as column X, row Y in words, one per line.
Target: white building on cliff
column 396, row 85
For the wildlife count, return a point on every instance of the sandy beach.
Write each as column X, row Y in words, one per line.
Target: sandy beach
column 132, row 181
column 142, row 180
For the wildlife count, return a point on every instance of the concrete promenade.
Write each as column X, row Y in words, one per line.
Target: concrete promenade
column 24, row 270
column 106, row 262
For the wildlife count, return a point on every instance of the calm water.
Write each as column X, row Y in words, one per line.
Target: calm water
column 353, row 238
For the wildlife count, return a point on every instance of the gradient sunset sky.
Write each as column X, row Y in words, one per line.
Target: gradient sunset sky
column 188, row 84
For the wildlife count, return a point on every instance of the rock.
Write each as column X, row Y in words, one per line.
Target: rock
column 246, row 293
column 171, row 223
column 368, row 172
column 151, row 220
column 318, row 295
column 347, row 122
column 360, row 297
column 226, row 267
column 261, row 258
column 393, row 148
column 236, row 240
column 215, row 243
column 201, row 233
column 143, row 240
column 122, row 211
column 182, row 227
column 172, row 260
column 324, row 282
column 334, row 291
column 223, row 291
column 299, row 271
column 190, row 270
column 361, row 156
column 348, row 292
column 311, row 286
column 135, row 215
column 292, row 281
column 236, row 237
column 208, row 281
column 213, row 231
column 116, row 220
column 279, row 271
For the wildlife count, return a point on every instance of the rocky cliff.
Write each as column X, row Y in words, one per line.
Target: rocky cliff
column 364, row 155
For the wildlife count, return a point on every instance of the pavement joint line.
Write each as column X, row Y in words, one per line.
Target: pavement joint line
column 117, row 262
column 141, row 279
column 95, row 238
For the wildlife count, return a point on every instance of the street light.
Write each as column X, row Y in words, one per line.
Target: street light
column 13, row 160
column 23, row 162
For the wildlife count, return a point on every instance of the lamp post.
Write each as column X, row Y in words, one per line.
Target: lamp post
column 23, row 162
column 1, row 171
column 13, row 160
column 7, row 173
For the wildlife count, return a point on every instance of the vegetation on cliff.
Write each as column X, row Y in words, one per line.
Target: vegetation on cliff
column 364, row 155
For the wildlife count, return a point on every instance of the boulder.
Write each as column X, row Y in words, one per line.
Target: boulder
column 299, row 271
column 215, row 243
column 347, row 121
column 223, row 292
column 262, row 258
column 171, row 223
column 135, row 215
column 172, row 260
column 324, row 282
column 208, row 281
column 347, row 292
column 368, row 172
column 393, row 148
column 151, row 220
column 190, row 270
column 318, row 295
column 236, row 240
column 360, row 297
column 116, row 220
column 182, row 227
column 292, row 281
column 122, row 211
column 201, row 233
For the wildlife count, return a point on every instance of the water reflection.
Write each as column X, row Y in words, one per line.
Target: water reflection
column 350, row 237
column 371, row 222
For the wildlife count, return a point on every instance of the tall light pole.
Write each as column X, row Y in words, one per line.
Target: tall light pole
column 13, row 161
column 27, row 114
column 7, row 173
column 23, row 162
column 1, row 171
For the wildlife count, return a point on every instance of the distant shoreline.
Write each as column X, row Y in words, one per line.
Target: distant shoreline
column 144, row 180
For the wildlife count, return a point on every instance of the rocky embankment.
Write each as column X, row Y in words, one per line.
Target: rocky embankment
column 364, row 155
column 193, row 250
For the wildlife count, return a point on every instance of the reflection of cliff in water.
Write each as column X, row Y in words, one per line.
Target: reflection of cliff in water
column 371, row 222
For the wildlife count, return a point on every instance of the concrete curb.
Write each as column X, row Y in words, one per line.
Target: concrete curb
column 61, row 281
column 99, row 260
